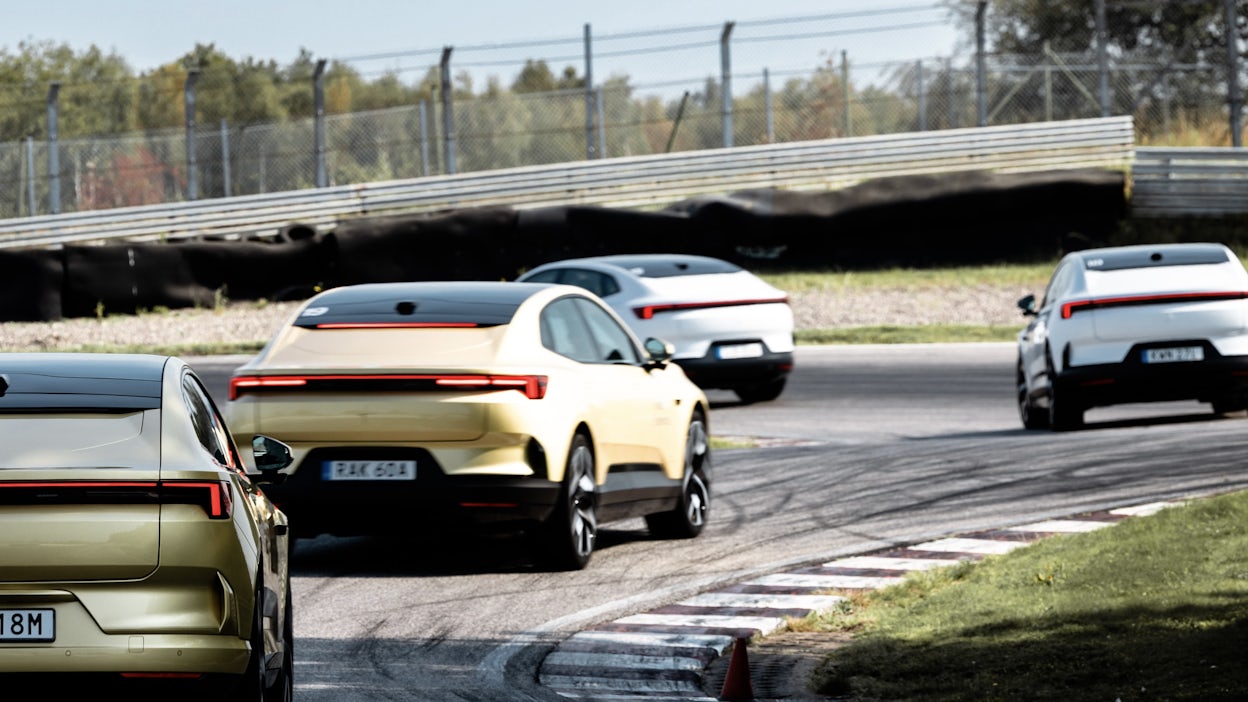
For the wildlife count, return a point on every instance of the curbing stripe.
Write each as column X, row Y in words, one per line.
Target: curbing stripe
column 652, row 665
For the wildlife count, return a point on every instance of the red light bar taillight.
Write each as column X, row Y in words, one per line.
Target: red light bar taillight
column 241, row 384
column 394, row 325
column 533, row 386
column 1074, row 306
column 648, row 311
column 213, row 496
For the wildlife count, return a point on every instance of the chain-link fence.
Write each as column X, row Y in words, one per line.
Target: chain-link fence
column 930, row 66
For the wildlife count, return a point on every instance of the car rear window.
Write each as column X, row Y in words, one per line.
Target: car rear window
column 27, row 389
column 648, row 267
column 1152, row 258
column 366, row 306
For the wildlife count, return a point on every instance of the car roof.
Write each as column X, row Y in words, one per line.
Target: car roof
column 84, row 381
column 658, row 265
column 482, row 303
column 1153, row 256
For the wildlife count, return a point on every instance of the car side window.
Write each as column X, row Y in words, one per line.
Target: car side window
column 564, row 332
column 544, row 277
column 1061, row 281
column 613, row 342
column 208, row 424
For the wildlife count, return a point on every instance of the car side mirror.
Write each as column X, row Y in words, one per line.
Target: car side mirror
column 659, row 350
column 1027, row 304
column 271, row 456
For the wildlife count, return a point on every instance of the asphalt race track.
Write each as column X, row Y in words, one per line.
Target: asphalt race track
column 869, row 447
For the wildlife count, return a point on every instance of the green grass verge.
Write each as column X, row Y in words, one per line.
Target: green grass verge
column 197, row 349
column 923, row 334
column 1154, row 608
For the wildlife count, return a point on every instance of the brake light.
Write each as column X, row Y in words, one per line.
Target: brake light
column 1074, row 306
column 648, row 311
column 241, row 384
column 394, row 325
column 533, row 386
column 214, row 497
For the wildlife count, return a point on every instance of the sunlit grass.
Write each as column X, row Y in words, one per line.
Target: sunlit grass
column 1027, row 275
column 1152, row 608
column 922, row 334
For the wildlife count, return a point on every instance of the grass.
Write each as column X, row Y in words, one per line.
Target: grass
column 1131, row 612
column 1029, row 275
column 924, row 334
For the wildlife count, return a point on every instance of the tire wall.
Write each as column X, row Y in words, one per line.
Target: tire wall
column 908, row 221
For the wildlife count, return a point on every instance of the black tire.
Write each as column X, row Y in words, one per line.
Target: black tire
column 251, row 684
column 1225, row 407
column 569, row 535
column 688, row 519
column 1030, row 415
column 761, row 392
column 283, row 689
column 1065, row 412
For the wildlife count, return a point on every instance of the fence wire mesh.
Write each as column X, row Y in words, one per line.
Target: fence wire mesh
column 880, row 70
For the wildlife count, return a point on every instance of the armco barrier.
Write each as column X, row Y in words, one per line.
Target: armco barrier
column 1189, row 181
column 638, row 182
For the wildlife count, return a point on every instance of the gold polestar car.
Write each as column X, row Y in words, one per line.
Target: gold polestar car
column 524, row 405
column 135, row 548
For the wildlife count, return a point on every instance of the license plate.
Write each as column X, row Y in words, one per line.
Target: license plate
column 27, row 624
column 368, row 470
column 740, row 351
column 1175, row 355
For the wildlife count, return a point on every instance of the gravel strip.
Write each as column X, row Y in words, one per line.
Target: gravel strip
column 243, row 322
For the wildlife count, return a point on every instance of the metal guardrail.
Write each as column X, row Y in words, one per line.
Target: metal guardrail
column 638, row 182
column 1189, row 181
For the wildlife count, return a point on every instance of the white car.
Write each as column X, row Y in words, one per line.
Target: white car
column 729, row 329
column 1142, row 323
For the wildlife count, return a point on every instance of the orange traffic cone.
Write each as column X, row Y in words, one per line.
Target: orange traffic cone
column 737, row 687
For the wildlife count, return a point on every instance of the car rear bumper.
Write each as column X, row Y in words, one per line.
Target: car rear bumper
column 344, row 508
column 129, row 653
column 711, row 371
column 1217, row 378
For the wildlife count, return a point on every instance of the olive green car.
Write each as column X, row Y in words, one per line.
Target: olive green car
column 135, row 547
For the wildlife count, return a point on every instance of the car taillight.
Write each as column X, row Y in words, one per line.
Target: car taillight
column 648, row 311
column 213, row 496
column 395, row 325
column 1069, row 308
column 533, row 386
column 242, row 384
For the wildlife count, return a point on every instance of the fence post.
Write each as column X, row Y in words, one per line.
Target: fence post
column 30, row 175
column 54, row 160
column 589, row 96
column 424, row 138
column 192, row 182
column 725, row 82
column 918, row 70
column 845, row 86
column 602, row 124
column 226, row 189
column 771, row 125
column 1232, row 71
column 318, row 122
column 1102, row 56
column 981, row 98
column 448, row 118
